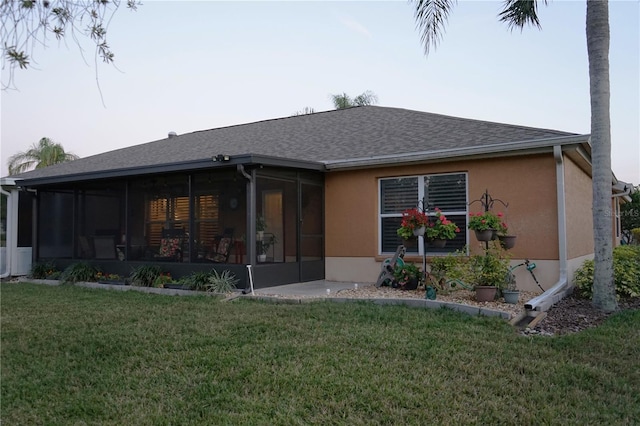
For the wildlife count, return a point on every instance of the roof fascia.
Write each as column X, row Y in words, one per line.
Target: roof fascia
column 493, row 150
column 210, row 163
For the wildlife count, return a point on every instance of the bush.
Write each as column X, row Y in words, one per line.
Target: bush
column 163, row 279
column 44, row 270
column 145, row 275
column 196, row 280
column 451, row 267
column 626, row 273
column 78, row 272
column 224, row 282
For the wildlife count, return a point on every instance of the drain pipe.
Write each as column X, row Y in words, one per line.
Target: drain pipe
column 561, row 288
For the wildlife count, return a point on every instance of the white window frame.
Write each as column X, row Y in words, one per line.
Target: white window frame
column 421, row 196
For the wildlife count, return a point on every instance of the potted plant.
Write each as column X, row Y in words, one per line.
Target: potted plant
column 264, row 246
column 414, row 223
column 484, row 224
column 511, row 293
column 488, row 272
column 507, row 241
column 407, row 276
column 440, row 229
column 261, row 226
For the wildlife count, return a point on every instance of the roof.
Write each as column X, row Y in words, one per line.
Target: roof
column 347, row 137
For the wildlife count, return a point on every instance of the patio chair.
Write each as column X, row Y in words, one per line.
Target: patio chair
column 171, row 245
column 104, row 246
column 222, row 246
column 86, row 252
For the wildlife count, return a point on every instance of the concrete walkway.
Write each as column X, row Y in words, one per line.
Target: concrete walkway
column 308, row 289
column 311, row 291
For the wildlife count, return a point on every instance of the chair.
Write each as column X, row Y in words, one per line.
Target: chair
column 222, row 246
column 104, row 246
column 86, row 252
column 171, row 245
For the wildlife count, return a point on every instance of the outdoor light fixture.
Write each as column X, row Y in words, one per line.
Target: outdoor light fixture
column 221, row 157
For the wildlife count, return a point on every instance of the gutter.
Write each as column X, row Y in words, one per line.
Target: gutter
column 536, row 145
column 562, row 287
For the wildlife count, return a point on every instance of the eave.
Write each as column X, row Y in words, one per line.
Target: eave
column 247, row 160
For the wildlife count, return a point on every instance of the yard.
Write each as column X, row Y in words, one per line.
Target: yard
column 73, row 355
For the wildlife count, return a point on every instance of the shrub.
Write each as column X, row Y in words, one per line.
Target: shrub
column 196, row 280
column 636, row 235
column 145, row 275
column 81, row 271
column 224, row 282
column 44, row 270
column 626, row 273
column 163, row 279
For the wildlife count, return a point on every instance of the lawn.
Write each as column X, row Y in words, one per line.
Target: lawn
column 73, row 355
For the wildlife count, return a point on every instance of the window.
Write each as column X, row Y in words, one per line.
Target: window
column 448, row 192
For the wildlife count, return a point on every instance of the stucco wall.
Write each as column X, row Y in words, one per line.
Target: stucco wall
column 526, row 183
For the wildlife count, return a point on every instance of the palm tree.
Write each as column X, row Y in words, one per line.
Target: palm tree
column 343, row 100
column 431, row 15
column 45, row 153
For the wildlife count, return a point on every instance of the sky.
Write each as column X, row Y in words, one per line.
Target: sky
column 189, row 66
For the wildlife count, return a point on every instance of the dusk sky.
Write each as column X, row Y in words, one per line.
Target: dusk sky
column 188, row 66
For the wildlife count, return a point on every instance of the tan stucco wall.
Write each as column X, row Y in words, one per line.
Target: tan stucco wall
column 526, row 183
column 578, row 205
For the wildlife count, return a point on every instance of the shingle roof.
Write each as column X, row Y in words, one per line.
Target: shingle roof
column 326, row 137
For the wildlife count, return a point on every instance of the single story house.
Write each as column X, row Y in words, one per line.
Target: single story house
column 329, row 187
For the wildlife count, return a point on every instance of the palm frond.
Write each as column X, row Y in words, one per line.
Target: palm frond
column 45, row 153
column 366, row 98
column 518, row 13
column 431, row 17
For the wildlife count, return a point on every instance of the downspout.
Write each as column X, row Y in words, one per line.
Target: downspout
column 251, row 223
column 561, row 288
column 9, row 230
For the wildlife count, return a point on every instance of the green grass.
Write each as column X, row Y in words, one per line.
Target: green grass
column 73, row 355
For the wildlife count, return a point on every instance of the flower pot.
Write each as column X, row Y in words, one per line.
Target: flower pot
column 507, row 241
column 113, row 282
column 486, row 293
column 511, row 296
column 412, row 284
column 419, row 231
column 262, row 257
column 438, row 243
column 485, row 235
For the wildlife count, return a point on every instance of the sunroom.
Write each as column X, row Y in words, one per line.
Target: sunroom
column 223, row 214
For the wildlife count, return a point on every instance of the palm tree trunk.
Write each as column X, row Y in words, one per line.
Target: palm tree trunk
column 604, row 295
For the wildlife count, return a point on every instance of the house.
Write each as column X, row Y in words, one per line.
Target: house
column 330, row 188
